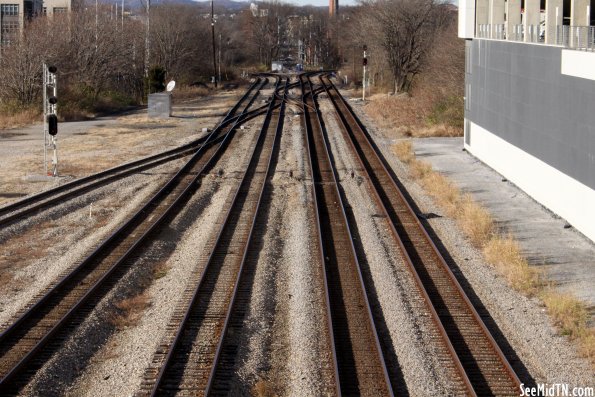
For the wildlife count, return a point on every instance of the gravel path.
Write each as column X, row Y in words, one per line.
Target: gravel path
column 405, row 328
column 519, row 324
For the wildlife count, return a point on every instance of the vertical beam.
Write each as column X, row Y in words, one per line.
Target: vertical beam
column 578, row 18
column 466, row 19
column 513, row 19
column 578, row 12
column 481, row 16
column 553, row 18
column 531, row 20
column 496, row 19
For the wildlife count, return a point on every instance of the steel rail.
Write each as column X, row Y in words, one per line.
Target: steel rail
column 361, row 366
column 475, row 364
column 268, row 174
column 201, row 293
column 59, row 194
column 26, row 323
column 318, row 231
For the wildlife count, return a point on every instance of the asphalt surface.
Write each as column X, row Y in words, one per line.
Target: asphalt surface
column 566, row 256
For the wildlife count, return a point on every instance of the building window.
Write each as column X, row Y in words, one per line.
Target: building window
column 60, row 10
column 7, row 10
column 9, row 23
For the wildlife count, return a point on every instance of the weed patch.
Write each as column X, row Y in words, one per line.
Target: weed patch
column 502, row 251
column 129, row 311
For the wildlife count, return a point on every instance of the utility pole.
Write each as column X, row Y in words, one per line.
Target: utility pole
column 219, row 56
column 214, row 49
column 147, row 39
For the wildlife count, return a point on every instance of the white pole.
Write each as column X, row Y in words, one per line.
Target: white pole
column 45, row 120
column 54, row 140
column 557, row 28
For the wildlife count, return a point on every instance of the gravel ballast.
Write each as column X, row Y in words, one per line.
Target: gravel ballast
column 123, row 353
column 520, row 324
column 406, row 330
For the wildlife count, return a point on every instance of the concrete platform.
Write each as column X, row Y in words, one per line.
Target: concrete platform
column 566, row 256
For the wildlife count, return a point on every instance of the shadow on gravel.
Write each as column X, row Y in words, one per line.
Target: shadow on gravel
column 519, row 367
column 65, row 359
column 388, row 350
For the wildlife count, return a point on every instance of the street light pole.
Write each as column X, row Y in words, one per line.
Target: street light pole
column 214, row 50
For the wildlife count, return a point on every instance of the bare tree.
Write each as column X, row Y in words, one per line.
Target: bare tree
column 21, row 65
column 406, row 31
column 179, row 36
column 268, row 29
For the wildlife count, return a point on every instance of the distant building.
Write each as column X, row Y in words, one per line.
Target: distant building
column 333, row 7
column 13, row 14
column 55, row 7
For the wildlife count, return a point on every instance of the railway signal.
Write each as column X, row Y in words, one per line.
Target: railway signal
column 50, row 117
column 365, row 63
column 52, row 121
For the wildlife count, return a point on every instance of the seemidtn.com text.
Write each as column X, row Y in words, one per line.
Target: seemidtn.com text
column 557, row 390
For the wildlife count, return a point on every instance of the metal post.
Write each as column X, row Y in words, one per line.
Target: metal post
column 213, row 36
column 45, row 119
column 147, row 40
column 54, row 141
column 364, row 78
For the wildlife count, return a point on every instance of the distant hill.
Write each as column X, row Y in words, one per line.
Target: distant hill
column 219, row 4
column 227, row 4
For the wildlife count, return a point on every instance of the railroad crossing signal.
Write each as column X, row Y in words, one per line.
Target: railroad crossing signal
column 50, row 117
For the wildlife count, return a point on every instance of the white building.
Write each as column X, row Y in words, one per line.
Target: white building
column 530, row 99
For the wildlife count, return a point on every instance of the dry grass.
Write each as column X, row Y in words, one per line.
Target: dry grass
column 408, row 116
column 160, row 270
column 129, row 311
column 572, row 317
column 502, row 251
column 262, row 388
column 18, row 119
column 476, row 221
column 184, row 93
column 446, row 193
column 436, row 130
column 404, row 150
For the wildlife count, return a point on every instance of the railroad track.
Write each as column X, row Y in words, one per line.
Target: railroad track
column 478, row 358
column 361, row 369
column 188, row 356
column 22, row 344
column 49, row 198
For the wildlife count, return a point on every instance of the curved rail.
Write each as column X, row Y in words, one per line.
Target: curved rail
column 206, row 306
column 49, row 198
column 27, row 336
column 360, row 362
column 481, row 364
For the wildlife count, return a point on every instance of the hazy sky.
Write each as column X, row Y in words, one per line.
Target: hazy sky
column 319, row 2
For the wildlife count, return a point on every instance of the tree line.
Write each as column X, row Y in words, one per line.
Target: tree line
column 99, row 55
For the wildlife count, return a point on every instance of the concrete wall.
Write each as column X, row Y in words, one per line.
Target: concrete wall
column 534, row 124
